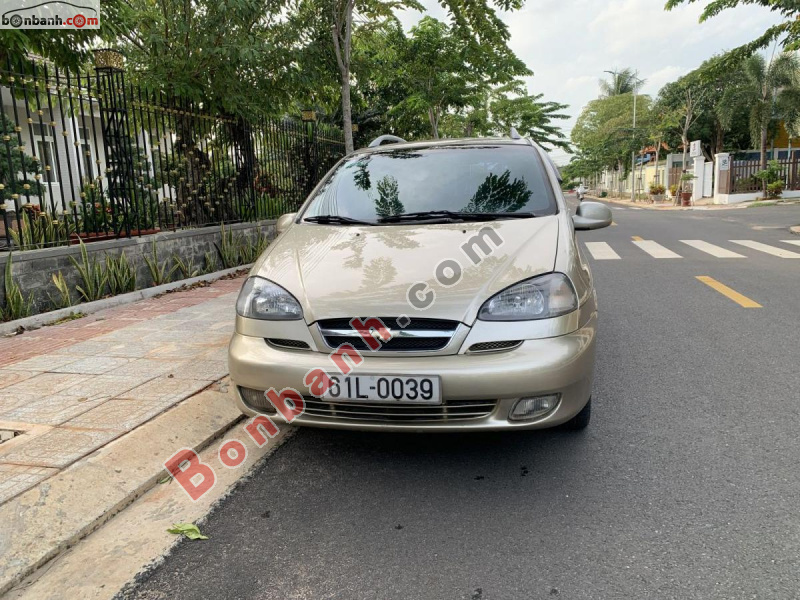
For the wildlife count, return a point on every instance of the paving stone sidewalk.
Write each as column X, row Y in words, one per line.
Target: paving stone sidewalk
column 74, row 387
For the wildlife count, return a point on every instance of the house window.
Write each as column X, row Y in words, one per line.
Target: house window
column 86, row 158
column 46, row 151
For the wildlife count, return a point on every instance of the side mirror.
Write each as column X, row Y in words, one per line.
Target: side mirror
column 592, row 215
column 283, row 222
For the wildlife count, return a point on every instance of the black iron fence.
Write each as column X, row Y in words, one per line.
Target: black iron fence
column 92, row 157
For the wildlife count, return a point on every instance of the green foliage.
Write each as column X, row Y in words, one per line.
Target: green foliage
column 657, row 189
column 121, row 274
column 24, row 175
column 768, row 92
column 250, row 250
column 775, row 189
column 624, row 81
column 94, row 279
column 64, row 297
column 186, row 267
column 40, row 230
column 17, row 306
column 228, row 248
column 772, row 177
column 160, row 272
column 176, row 47
column 604, row 131
column 210, row 263
column 189, row 530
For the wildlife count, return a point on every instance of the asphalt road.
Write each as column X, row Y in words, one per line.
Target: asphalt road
column 686, row 484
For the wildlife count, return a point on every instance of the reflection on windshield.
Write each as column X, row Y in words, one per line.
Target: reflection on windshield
column 468, row 179
column 499, row 194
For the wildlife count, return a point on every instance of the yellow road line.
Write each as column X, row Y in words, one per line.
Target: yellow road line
column 728, row 292
column 636, row 238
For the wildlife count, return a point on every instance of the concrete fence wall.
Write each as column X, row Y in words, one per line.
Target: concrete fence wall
column 33, row 269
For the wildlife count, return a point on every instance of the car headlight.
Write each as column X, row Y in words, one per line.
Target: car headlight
column 262, row 299
column 542, row 297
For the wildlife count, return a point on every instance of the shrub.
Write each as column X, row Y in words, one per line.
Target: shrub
column 64, row 297
column 673, row 190
column 228, row 248
column 121, row 275
column 159, row 271
column 39, row 230
column 93, row 276
column 604, row 194
column 186, row 267
column 657, row 189
column 16, row 305
column 775, row 189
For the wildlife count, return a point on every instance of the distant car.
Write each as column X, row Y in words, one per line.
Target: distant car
column 438, row 285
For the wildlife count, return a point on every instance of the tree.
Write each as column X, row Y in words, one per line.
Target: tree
column 769, row 92
column 474, row 21
column 512, row 106
column 604, row 134
column 788, row 30
column 621, row 82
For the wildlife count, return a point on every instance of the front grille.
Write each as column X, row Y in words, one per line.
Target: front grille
column 458, row 410
column 495, row 346
column 419, row 335
column 291, row 344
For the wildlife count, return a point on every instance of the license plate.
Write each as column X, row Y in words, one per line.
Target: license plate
column 389, row 389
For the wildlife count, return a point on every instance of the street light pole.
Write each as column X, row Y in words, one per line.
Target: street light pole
column 633, row 152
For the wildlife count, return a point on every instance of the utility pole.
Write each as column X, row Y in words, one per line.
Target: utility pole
column 636, row 82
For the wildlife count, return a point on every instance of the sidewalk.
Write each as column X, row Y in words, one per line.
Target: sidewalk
column 704, row 204
column 67, row 391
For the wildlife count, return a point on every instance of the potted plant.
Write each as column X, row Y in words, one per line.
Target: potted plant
column 673, row 190
column 657, row 192
column 686, row 188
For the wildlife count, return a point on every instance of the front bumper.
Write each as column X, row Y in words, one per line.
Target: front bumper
column 563, row 365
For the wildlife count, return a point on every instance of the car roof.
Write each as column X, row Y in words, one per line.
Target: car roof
column 505, row 141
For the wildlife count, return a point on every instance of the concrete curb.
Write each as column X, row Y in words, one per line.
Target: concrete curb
column 40, row 320
column 49, row 518
column 795, row 230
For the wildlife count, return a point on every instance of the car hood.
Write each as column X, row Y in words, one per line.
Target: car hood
column 337, row 271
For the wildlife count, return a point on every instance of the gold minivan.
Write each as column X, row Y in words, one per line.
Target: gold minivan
column 424, row 286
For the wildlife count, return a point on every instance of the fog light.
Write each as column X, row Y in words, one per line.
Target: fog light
column 527, row 409
column 256, row 400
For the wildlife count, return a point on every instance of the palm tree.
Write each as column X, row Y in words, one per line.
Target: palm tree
column 620, row 82
column 770, row 92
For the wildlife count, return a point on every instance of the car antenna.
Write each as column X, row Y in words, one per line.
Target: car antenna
column 514, row 135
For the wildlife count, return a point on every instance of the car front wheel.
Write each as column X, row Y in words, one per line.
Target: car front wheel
column 581, row 420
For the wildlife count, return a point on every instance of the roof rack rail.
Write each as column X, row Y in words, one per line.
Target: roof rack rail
column 392, row 139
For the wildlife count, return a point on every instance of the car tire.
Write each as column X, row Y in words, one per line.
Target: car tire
column 581, row 420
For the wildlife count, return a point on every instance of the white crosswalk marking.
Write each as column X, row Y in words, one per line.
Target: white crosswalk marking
column 634, row 208
column 601, row 251
column 795, row 242
column 712, row 249
column 767, row 248
column 656, row 250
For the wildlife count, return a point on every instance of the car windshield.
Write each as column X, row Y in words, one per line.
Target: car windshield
column 494, row 181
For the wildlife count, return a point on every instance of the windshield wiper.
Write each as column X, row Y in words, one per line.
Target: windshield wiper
column 335, row 220
column 455, row 216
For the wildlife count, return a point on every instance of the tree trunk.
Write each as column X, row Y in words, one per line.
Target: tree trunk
column 433, row 118
column 342, row 44
column 347, row 115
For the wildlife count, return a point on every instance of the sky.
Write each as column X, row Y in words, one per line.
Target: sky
column 568, row 44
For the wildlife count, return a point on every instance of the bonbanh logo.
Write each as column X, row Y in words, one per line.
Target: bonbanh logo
column 55, row 14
